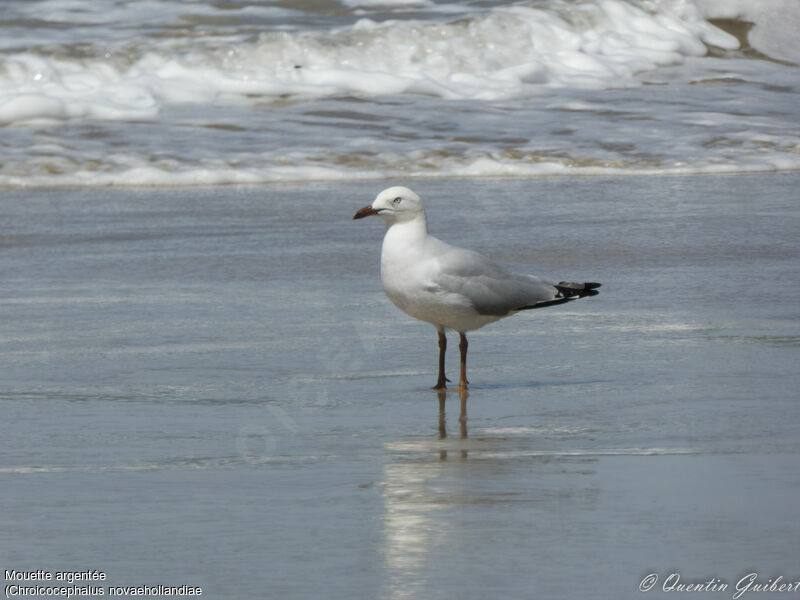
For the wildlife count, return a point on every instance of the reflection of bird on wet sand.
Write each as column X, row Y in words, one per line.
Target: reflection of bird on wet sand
column 462, row 419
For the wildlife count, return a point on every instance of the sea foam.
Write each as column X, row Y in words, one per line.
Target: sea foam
column 503, row 53
column 174, row 93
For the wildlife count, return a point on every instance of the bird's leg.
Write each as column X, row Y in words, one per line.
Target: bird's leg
column 462, row 345
column 441, row 383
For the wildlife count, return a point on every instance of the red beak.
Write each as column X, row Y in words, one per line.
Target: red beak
column 367, row 211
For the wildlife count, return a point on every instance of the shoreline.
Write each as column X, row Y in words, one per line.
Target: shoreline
column 599, row 174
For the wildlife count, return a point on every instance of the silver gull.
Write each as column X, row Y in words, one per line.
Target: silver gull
column 450, row 287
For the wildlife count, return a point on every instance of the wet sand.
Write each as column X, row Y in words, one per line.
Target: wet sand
column 208, row 387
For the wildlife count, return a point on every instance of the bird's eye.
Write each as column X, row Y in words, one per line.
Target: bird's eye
column 396, row 201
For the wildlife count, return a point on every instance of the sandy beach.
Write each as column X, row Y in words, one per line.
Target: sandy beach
column 207, row 386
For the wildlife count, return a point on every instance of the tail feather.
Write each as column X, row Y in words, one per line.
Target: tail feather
column 567, row 291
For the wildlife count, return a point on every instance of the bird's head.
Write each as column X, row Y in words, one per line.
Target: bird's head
column 394, row 205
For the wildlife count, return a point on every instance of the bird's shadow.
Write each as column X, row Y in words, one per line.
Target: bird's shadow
column 463, row 396
column 533, row 384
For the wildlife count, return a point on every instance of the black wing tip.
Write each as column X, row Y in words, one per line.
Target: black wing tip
column 581, row 290
column 567, row 292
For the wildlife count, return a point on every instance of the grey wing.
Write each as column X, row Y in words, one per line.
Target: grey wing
column 489, row 288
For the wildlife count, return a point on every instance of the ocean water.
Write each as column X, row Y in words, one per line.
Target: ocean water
column 207, row 387
column 179, row 92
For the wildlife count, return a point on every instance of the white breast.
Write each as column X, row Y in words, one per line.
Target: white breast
column 408, row 274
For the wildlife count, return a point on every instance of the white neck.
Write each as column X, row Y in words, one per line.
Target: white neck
column 403, row 236
column 417, row 223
